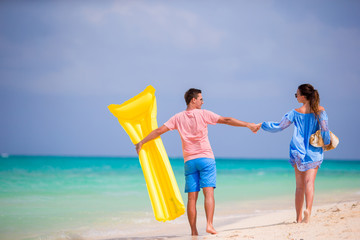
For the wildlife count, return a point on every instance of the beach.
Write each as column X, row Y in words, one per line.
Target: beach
column 104, row 198
column 333, row 221
column 330, row 220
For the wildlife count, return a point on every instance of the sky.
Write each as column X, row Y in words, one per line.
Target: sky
column 63, row 62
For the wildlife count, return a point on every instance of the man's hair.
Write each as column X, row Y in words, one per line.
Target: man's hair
column 190, row 94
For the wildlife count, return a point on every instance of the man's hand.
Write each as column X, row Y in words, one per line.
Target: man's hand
column 254, row 127
column 138, row 147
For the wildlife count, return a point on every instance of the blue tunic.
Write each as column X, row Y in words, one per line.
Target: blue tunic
column 304, row 155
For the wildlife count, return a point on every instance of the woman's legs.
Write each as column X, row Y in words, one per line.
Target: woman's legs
column 310, row 176
column 299, row 193
column 304, row 186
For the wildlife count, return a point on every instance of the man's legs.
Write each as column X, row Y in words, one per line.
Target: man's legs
column 200, row 173
column 209, row 205
column 191, row 211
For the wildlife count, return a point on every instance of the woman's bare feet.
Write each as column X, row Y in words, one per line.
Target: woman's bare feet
column 194, row 233
column 306, row 218
column 299, row 218
column 210, row 229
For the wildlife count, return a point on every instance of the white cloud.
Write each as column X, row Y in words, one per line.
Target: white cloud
column 241, row 48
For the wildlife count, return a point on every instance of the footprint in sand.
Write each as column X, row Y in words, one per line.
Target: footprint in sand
column 336, row 209
column 233, row 236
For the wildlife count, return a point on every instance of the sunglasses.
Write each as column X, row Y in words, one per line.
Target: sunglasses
column 296, row 95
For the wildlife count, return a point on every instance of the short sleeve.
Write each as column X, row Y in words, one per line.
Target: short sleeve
column 210, row 117
column 171, row 123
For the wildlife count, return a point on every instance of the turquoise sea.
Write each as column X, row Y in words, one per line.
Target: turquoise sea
column 44, row 197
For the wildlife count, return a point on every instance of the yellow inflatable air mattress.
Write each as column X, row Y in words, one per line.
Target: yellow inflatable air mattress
column 138, row 117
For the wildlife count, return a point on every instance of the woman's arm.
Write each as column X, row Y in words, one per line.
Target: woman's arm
column 154, row 134
column 276, row 126
column 325, row 133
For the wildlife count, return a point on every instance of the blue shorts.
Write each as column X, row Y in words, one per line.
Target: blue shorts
column 199, row 173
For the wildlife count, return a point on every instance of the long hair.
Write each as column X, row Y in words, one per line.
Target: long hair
column 312, row 95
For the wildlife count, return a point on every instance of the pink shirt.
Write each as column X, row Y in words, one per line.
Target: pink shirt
column 192, row 126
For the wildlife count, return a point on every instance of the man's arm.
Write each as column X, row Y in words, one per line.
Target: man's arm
column 237, row 123
column 154, row 134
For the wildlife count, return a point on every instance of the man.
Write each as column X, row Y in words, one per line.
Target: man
column 200, row 168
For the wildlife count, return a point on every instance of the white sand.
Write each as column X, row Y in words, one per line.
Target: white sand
column 339, row 220
column 334, row 216
column 334, row 221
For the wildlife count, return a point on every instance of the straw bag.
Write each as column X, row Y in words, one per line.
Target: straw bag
column 317, row 141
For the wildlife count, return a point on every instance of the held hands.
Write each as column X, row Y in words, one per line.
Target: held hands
column 254, row 127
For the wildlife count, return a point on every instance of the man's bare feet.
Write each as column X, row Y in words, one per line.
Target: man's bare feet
column 306, row 216
column 194, row 233
column 210, row 229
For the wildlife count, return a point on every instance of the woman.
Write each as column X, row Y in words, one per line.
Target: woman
column 305, row 158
